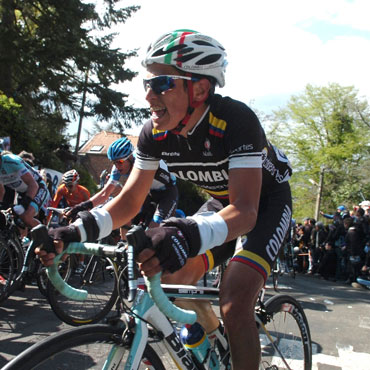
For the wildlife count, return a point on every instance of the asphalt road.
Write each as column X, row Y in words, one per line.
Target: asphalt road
column 338, row 315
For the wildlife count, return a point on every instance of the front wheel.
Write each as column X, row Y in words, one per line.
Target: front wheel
column 86, row 347
column 285, row 336
column 99, row 279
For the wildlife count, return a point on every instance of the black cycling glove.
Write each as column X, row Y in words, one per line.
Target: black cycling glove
column 84, row 206
column 190, row 229
column 174, row 241
column 25, row 201
column 66, row 234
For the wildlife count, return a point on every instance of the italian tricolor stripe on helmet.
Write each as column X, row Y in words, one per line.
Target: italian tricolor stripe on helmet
column 175, row 35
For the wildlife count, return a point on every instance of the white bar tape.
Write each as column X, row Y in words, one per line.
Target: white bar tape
column 212, row 228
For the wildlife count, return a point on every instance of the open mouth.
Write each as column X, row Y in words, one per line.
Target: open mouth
column 158, row 112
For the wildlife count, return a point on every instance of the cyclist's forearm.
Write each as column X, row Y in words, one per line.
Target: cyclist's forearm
column 126, row 205
column 102, row 196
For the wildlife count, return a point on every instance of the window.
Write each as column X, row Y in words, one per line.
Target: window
column 97, row 148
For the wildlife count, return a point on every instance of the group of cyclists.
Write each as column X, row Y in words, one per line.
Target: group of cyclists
column 194, row 134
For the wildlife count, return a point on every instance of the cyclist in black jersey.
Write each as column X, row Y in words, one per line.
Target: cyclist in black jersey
column 218, row 144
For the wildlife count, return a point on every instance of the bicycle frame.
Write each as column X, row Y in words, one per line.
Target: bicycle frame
column 145, row 311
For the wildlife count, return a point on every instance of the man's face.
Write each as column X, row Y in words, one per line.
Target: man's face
column 71, row 188
column 170, row 107
column 123, row 166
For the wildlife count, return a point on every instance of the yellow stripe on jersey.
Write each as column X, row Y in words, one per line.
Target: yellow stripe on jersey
column 217, row 126
column 217, row 193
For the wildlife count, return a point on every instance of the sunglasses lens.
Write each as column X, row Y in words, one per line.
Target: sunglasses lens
column 119, row 161
column 159, row 84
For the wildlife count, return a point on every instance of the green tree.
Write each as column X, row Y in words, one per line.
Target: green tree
column 52, row 55
column 325, row 132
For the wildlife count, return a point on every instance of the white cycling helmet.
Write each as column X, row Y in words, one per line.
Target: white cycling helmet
column 189, row 51
column 71, row 178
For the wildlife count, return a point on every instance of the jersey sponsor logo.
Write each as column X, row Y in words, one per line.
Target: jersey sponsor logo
column 207, row 144
column 273, row 246
column 270, row 167
column 170, row 154
column 242, row 148
column 206, row 176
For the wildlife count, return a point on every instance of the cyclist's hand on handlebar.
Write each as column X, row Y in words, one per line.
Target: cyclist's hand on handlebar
column 46, row 258
column 60, row 236
column 84, row 206
column 170, row 252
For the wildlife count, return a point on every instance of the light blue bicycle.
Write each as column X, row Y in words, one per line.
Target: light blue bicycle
column 146, row 335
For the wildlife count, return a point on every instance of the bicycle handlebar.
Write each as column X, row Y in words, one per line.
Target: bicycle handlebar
column 168, row 308
column 56, row 279
column 153, row 284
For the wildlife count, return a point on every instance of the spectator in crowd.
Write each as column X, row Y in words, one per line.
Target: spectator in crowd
column 338, row 214
column 319, row 237
column 355, row 241
column 328, row 263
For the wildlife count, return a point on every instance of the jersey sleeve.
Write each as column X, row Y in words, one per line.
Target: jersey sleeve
column 147, row 154
column 58, row 196
column 114, row 176
column 244, row 138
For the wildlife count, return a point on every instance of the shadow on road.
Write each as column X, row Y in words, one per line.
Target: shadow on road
column 25, row 318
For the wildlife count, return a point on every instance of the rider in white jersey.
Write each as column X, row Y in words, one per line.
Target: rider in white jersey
column 27, row 182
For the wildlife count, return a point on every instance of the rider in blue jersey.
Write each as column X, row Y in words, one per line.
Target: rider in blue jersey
column 27, row 183
column 163, row 192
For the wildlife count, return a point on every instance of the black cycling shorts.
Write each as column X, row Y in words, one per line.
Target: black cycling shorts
column 158, row 205
column 259, row 248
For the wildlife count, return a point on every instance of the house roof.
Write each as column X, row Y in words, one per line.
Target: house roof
column 100, row 142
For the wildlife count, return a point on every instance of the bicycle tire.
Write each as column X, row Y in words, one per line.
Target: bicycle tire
column 289, row 330
column 42, row 279
column 102, row 294
column 86, row 347
column 7, row 271
column 18, row 259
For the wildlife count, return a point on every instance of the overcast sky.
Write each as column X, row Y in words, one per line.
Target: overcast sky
column 274, row 47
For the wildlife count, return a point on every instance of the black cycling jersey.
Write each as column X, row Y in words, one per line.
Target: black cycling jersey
column 228, row 136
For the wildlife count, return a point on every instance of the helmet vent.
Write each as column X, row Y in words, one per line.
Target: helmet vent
column 185, row 58
column 201, row 42
column 205, row 43
column 168, row 51
column 209, row 59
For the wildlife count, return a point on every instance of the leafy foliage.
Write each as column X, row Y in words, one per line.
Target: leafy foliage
column 52, row 53
column 325, row 129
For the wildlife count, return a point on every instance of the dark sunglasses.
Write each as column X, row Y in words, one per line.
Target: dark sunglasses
column 160, row 84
